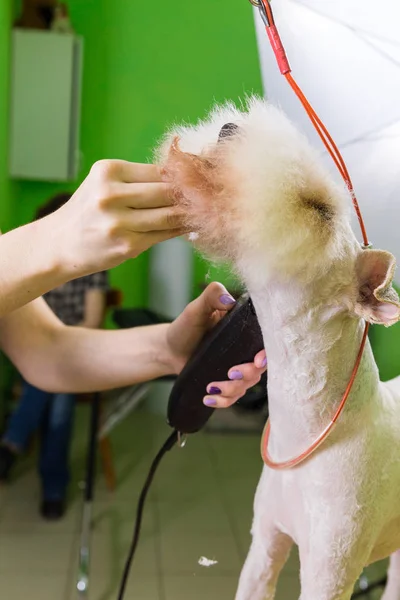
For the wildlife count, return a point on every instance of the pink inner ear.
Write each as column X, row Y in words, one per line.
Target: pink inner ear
column 387, row 311
column 377, row 301
column 374, row 270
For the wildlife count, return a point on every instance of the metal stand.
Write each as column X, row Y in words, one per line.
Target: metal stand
column 127, row 402
column 84, row 550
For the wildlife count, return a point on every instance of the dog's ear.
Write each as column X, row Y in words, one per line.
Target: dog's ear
column 202, row 186
column 377, row 301
column 198, row 174
column 192, row 175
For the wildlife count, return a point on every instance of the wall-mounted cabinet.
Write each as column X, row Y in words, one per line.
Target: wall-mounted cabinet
column 46, row 74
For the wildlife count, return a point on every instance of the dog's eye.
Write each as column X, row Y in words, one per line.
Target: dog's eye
column 325, row 211
column 227, row 130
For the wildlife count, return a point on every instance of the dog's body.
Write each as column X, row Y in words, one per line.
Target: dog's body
column 261, row 199
column 340, row 507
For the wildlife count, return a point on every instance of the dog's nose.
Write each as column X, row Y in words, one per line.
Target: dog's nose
column 227, row 130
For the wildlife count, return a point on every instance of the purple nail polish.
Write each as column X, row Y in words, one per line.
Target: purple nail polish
column 264, row 363
column 235, row 375
column 210, row 402
column 227, row 299
column 214, row 391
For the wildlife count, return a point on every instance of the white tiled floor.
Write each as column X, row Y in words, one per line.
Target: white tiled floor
column 200, row 505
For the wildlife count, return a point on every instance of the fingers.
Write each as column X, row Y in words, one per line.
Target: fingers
column 224, row 393
column 153, row 219
column 156, row 237
column 249, row 372
column 243, row 377
column 146, row 195
column 260, row 359
column 124, row 171
column 136, row 172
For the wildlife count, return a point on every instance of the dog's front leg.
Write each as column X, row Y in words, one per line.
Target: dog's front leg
column 392, row 591
column 330, row 567
column 268, row 553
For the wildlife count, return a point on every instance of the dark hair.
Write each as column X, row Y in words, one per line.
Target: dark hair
column 53, row 204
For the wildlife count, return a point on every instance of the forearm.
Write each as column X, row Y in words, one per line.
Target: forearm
column 28, row 265
column 89, row 324
column 58, row 358
column 85, row 360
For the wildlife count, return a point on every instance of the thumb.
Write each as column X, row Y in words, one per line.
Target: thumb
column 206, row 310
column 210, row 306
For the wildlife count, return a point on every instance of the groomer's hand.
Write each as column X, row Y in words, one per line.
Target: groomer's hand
column 188, row 329
column 119, row 211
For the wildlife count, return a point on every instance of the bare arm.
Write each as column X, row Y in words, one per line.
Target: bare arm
column 58, row 358
column 95, row 303
column 120, row 210
column 27, row 268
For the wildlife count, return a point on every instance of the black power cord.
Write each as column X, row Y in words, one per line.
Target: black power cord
column 170, row 442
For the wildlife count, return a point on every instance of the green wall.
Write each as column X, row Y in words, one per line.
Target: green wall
column 170, row 63
column 145, row 67
column 5, row 184
column 385, row 343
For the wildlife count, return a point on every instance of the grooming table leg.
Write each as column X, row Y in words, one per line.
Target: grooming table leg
column 84, row 551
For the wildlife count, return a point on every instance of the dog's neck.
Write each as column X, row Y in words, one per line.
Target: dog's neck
column 311, row 349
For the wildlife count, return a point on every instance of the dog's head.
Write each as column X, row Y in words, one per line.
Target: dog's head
column 256, row 195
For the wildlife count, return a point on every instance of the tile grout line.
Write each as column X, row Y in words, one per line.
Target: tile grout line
column 157, row 526
column 158, row 550
column 70, row 586
column 73, row 560
column 232, row 522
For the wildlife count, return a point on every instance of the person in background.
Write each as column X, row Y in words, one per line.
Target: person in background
column 80, row 302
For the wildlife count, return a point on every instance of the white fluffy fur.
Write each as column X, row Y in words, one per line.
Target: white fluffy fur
column 267, row 165
column 310, row 282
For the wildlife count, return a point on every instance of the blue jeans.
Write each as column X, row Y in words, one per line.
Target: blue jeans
column 53, row 414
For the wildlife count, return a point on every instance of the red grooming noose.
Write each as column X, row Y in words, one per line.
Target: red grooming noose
column 284, row 67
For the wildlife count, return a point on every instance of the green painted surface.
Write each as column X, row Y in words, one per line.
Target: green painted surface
column 171, row 62
column 146, row 67
column 5, row 184
column 385, row 343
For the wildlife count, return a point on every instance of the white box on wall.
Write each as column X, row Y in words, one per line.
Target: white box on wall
column 46, row 73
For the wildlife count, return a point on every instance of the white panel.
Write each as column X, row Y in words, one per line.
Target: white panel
column 346, row 57
column 171, row 277
column 74, row 147
column 42, row 115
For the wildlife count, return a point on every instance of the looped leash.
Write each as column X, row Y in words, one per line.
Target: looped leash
column 284, row 67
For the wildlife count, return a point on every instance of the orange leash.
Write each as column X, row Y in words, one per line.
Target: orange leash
column 284, row 67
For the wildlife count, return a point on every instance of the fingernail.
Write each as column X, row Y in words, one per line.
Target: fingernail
column 235, row 375
column 210, row 402
column 264, row 363
column 227, row 299
column 214, row 391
